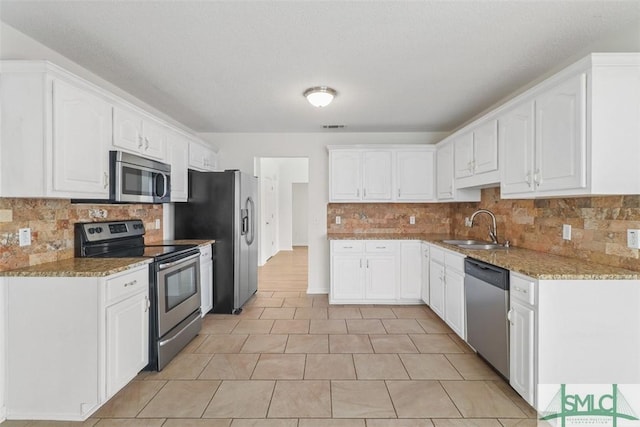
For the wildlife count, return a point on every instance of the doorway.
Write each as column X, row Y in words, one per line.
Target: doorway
column 283, row 223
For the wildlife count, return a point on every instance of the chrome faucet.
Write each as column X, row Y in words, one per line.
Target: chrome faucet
column 493, row 232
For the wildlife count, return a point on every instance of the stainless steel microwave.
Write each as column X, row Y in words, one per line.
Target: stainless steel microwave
column 135, row 179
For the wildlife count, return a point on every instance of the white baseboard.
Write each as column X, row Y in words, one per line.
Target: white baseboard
column 317, row 291
column 3, row 414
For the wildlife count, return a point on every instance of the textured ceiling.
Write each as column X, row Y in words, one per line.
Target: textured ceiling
column 242, row 66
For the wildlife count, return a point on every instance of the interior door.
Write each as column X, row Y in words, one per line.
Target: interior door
column 268, row 220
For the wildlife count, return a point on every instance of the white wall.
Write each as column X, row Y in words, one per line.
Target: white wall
column 299, row 207
column 237, row 150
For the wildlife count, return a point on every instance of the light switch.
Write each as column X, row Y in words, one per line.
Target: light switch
column 412, row 220
column 157, row 224
column 338, row 220
column 566, row 231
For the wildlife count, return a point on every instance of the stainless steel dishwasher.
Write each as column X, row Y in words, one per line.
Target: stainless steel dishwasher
column 487, row 301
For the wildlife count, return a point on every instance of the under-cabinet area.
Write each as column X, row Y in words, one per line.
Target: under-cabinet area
column 558, row 308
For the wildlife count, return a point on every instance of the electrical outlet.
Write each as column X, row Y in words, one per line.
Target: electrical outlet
column 24, row 236
column 157, row 224
column 566, row 231
column 633, row 239
column 338, row 220
column 467, row 222
column 412, row 220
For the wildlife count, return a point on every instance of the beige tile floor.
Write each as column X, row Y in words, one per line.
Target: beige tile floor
column 293, row 361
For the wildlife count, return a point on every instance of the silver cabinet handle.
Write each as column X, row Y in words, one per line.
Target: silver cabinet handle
column 147, row 304
column 105, row 183
column 509, row 316
column 524, row 291
column 398, row 192
column 360, row 263
column 347, row 247
column 358, row 192
column 131, row 283
column 140, row 139
column 527, row 178
column 381, row 247
column 146, row 143
column 536, row 178
column 364, row 193
column 367, row 263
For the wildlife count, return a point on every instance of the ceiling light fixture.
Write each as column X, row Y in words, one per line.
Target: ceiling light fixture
column 320, row 96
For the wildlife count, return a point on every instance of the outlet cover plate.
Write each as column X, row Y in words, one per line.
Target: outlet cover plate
column 338, row 220
column 566, row 231
column 633, row 239
column 24, row 236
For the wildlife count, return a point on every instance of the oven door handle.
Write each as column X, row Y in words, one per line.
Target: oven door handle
column 180, row 261
column 165, row 342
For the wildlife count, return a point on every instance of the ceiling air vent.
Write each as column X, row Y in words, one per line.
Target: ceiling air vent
column 333, row 126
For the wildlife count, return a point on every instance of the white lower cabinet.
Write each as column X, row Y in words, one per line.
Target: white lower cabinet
column 424, row 248
column 206, row 279
column 411, row 270
column 91, row 334
column 376, row 271
column 446, row 288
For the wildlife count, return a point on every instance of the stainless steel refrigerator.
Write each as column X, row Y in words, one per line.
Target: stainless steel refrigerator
column 221, row 206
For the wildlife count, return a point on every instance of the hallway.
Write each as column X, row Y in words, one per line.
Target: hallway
column 285, row 272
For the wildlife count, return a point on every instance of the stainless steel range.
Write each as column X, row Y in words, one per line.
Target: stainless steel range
column 174, row 282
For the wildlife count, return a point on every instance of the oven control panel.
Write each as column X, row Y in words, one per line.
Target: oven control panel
column 99, row 231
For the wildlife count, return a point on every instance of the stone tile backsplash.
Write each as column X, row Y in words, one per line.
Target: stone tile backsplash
column 599, row 224
column 51, row 222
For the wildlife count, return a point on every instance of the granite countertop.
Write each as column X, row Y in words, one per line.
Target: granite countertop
column 92, row 267
column 78, row 267
column 538, row 265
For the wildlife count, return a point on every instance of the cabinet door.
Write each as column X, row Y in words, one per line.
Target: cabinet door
column 127, row 128
column 347, row 277
column 516, row 148
column 425, row 273
column 381, row 277
column 463, row 158
column 411, row 270
column 436, row 288
column 444, row 172
column 377, row 175
column 155, row 139
column 561, row 136
column 485, row 151
column 521, row 353
column 206, row 285
column 127, row 340
column 454, row 306
column 81, row 137
column 196, row 156
column 345, row 178
column 210, row 160
column 178, row 158
column 415, row 176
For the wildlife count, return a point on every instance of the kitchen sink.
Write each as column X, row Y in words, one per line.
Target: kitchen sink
column 466, row 242
column 485, row 246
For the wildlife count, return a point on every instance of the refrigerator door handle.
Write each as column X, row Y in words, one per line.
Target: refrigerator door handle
column 244, row 218
column 250, row 207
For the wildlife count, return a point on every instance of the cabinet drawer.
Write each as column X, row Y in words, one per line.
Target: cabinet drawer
column 347, row 246
column 120, row 287
column 522, row 288
column 437, row 254
column 205, row 253
column 377, row 246
column 454, row 261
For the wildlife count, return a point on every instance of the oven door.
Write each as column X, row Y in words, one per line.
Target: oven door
column 178, row 285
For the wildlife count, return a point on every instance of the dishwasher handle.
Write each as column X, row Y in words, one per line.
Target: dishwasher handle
column 491, row 274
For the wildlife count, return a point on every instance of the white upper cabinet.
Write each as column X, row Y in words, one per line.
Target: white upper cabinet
column 445, row 173
column 576, row 133
column 138, row 134
column 178, row 158
column 517, row 149
column 476, row 156
column 81, row 123
column 390, row 173
column 202, row 158
column 345, row 175
column 376, row 186
column 415, row 177
column 55, row 134
column 561, row 136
